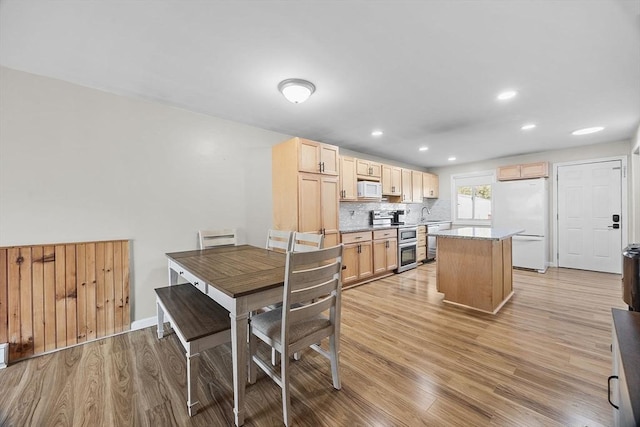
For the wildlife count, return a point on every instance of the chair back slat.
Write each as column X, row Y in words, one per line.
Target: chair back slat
column 309, row 293
column 316, row 257
column 310, row 310
column 313, row 276
column 305, row 242
column 279, row 240
column 213, row 238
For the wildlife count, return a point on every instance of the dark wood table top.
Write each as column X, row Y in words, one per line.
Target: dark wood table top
column 234, row 270
column 627, row 324
column 196, row 317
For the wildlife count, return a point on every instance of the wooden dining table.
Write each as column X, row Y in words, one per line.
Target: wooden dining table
column 242, row 279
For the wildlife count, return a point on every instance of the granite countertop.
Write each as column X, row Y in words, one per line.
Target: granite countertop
column 478, row 233
column 357, row 228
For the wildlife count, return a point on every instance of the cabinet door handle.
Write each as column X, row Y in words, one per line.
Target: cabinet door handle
column 386, row 244
column 322, row 167
column 612, row 377
column 371, row 171
column 359, row 249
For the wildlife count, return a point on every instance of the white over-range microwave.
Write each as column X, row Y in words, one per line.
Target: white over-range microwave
column 369, row 190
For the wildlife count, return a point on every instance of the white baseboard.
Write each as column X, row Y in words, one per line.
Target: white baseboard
column 4, row 355
column 144, row 323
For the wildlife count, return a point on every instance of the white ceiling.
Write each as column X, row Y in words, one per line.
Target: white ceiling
column 425, row 72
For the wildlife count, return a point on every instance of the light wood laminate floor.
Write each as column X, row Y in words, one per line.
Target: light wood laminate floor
column 407, row 360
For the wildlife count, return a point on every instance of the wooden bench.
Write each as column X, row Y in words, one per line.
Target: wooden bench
column 198, row 321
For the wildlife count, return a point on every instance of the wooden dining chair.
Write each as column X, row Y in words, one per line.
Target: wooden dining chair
column 304, row 242
column 213, row 238
column 312, row 286
column 279, row 240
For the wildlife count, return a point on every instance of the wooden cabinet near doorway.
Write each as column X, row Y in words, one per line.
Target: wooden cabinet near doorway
column 306, row 188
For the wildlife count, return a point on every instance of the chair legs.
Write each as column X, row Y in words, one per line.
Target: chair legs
column 335, row 367
column 286, row 399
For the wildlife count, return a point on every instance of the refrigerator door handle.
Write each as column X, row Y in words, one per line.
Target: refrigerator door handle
column 532, row 238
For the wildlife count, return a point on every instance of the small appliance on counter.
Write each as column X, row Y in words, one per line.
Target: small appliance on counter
column 399, row 217
column 381, row 219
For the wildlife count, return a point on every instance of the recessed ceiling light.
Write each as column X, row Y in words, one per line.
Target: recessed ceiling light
column 376, row 133
column 423, row 148
column 451, row 159
column 528, row 126
column 296, row 90
column 587, row 131
column 507, row 94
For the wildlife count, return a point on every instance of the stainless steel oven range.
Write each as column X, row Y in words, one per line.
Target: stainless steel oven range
column 407, row 248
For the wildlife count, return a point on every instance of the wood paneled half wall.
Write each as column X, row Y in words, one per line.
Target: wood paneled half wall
column 54, row 296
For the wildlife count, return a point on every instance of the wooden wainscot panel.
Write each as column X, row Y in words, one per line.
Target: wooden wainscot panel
column 53, row 296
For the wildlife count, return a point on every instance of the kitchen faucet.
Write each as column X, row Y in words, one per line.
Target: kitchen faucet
column 422, row 212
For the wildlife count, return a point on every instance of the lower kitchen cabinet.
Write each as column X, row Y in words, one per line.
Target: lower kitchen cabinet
column 422, row 243
column 385, row 255
column 385, row 251
column 357, row 259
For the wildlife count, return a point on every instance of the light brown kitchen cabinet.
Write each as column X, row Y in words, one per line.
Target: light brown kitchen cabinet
column 407, row 187
column 523, row 171
column 391, row 180
column 306, row 202
column 416, row 186
column 430, row 185
column 368, row 170
column 385, row 251
column 357, row 260
column 422, row 243
column 316, row 157
column 348, row 179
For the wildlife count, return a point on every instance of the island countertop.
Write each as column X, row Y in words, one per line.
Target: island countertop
column 478, row 233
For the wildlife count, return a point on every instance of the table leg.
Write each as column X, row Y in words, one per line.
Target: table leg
column 239, row 328
column 173, row 276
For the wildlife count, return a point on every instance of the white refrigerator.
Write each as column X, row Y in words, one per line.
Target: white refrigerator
column 524, row 204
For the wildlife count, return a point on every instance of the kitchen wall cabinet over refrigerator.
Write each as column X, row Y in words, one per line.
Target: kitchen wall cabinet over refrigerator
column 306, row 202
column 523, row 171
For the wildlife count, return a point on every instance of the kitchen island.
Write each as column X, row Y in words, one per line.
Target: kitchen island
column 474, row 267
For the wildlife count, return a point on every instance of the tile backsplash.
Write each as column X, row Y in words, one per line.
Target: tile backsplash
column 356, row 214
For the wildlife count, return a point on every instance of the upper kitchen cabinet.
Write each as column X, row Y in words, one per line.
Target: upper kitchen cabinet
column 391, row 181
column 305, row 202
column 430, row 185
column 523, row 171
column 407, row 186
column 348, row 179
column 315, row 157
column 416, row 186
column 367, row 170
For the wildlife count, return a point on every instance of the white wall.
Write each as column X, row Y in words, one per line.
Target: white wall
column 634, row 188
column 78, row 164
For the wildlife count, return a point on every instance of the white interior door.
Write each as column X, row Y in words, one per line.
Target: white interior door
column 589, row 195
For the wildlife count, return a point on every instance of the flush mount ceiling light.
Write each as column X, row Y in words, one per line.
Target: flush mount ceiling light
column 423, row 148
column 528, row 126
column 376, row 133
column 296, row 90
column 507, row 94
column 587, row 131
